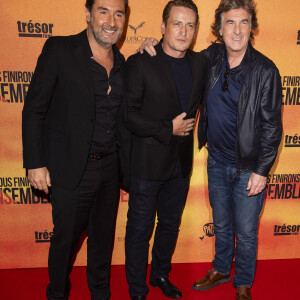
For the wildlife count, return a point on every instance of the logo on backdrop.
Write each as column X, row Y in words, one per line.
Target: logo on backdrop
column 298, row 39
column 121, row 239
column 286, row 229
column 14, row 86
column 283, row 186
column 36, row 30
column 17, row 190
column 43, row 236
column 133, row 37
column 292, row 140
column 291, row 90
column 136, row 28
column 208, row 230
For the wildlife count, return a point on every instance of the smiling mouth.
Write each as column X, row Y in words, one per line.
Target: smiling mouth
column 109, row 31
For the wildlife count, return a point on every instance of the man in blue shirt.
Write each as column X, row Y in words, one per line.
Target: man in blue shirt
column 241, row 121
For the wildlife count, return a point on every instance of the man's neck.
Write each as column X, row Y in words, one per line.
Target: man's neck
column 103, row 55
column 172, row 52
column 235, row 58
column 97, row 49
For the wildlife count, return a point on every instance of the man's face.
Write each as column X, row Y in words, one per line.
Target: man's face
column 236, row 28
column 106, row 21
column 179, row 31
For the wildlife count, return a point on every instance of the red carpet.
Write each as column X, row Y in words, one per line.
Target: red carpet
column 275, row 280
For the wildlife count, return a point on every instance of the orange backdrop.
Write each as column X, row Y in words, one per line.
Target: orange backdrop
column 25, row 219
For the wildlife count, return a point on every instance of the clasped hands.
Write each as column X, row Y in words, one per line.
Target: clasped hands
column 181, row 126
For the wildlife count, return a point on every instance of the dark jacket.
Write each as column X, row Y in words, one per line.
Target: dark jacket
column 259, row 127
column 59, row 110
column 153, row 103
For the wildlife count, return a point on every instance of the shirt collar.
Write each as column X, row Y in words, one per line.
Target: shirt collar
column 119, row 59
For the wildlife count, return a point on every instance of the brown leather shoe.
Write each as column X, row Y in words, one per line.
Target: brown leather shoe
column 243, row 293
column 210, row 280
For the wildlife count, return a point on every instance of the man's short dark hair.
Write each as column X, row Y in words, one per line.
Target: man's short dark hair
column 89, row 4
column 227, row 5
column 185, row 3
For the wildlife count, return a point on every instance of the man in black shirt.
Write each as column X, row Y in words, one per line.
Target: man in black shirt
column 162, row 95
column 69, row 142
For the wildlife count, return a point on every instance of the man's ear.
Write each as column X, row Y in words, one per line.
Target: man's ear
column 163, row 27
column 87, row 15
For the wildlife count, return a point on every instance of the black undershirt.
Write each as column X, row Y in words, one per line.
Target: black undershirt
column 182, row 74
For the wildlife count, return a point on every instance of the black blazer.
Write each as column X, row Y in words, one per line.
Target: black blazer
column 152, row 104
column 59, row 110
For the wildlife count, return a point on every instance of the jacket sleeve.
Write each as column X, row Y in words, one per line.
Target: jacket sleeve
column 138, row 123
column 36, row 106
column 270, row 129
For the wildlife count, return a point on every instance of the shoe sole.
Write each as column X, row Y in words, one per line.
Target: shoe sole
column 152, row 284
column 205, row 288
column 156, row 286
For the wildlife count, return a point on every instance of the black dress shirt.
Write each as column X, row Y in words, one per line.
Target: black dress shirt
column 107, row 104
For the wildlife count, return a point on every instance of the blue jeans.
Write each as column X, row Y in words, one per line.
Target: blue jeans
column 235, row 215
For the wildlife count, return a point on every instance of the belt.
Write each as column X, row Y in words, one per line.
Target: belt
column 97, row 156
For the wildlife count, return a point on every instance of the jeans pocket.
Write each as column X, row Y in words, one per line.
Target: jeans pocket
column 210, row 162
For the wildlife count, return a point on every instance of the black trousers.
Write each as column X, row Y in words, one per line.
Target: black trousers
column 168, row 196
column 91, row 207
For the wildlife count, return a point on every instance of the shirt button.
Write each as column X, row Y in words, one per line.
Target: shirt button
column 107, row 131
column 88, row 142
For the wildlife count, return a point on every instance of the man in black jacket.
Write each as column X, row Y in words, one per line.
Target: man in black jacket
column 69, row 142
column 163, row 94
column 241, row 120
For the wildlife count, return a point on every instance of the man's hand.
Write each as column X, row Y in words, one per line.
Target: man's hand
column 182, row 127
column 256, row 184
column 40, row 179
column 148, row 45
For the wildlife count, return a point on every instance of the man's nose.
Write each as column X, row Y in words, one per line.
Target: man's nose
column 184, row 31
column 111, row 20
column 236, row 29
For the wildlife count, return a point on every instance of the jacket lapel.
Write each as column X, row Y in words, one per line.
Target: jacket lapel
column 193, row 66
column 243, row 70
column 80, row 48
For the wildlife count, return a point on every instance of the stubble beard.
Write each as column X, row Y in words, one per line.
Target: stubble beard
column 105, row 43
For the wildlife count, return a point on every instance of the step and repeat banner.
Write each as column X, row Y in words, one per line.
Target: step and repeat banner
column 25, row 216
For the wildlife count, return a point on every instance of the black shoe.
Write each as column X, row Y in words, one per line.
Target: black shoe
column 138, row 298
column 168, row 288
